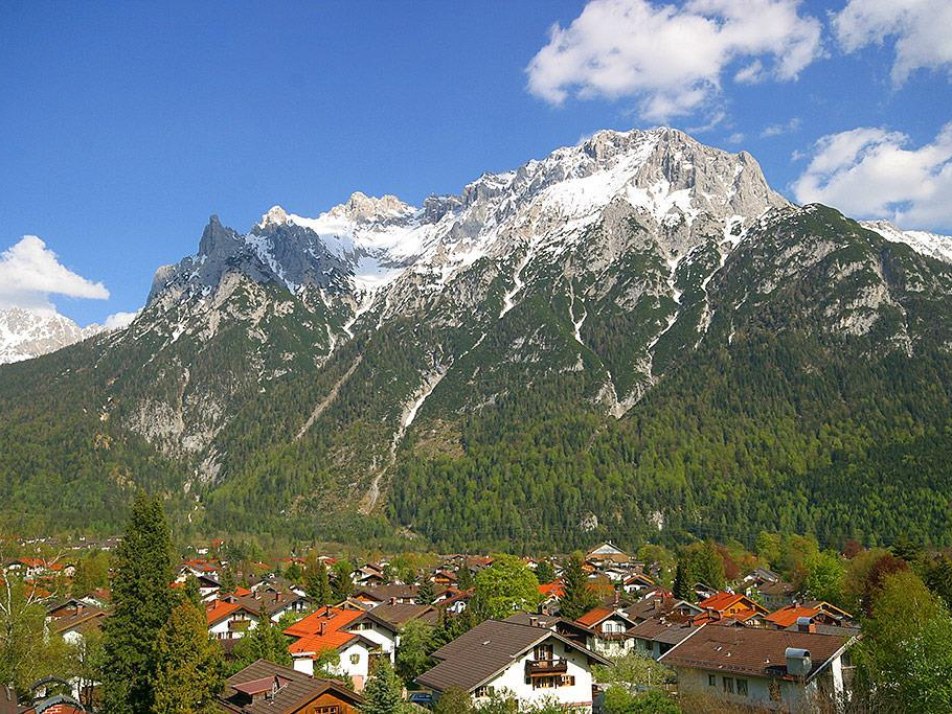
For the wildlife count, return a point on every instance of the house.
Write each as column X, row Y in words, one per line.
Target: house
column 552, row 594
column 637, row 583
column 73, row 619
column 731, row 606
column 653, row 638
column 229, row 619
column 773, row 593
column 662, row 605
column 762, row 669
column 606, row 555
column 398, row 614
column 609, row 627
column 567, row 628
column 456, row 603
column 354, row 638
column 814, row 612
column 395, row 592
column 531, row 663
column 265, row 687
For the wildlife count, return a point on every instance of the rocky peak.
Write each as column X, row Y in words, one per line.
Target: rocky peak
column 362, row 208
column 216, row 238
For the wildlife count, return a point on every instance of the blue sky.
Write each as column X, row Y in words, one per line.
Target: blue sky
column 125, row 125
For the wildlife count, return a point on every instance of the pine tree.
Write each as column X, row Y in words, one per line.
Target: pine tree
column 683, row 587
column 142, row 602
column 317, row 584
column 425, row 594
column 382, row 695
column 189, row 664
column 545, row 572
column 464, row 580
column 578, row 598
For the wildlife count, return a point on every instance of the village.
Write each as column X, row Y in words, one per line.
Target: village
column 596, row 631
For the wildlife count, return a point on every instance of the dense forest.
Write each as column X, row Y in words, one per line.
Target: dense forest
column 802, row 387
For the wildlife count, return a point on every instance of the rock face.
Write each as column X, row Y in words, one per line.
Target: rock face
column 318, row 365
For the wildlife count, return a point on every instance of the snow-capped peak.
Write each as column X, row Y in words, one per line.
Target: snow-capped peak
column 276, row 216
column 931, row 244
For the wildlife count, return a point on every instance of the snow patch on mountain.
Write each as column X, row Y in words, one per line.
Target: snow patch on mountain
column 930, row 244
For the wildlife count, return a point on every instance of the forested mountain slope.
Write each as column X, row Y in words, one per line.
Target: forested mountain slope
column 633, row 337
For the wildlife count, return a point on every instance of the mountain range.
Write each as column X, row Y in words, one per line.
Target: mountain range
column 634, row 337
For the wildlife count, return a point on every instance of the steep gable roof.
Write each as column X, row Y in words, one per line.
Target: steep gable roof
column 478, row 655
column 298, row 689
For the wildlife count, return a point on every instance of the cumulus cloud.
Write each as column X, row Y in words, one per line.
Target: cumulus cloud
column 670, row 58
column 30, row 272
column 873, row 173
column 920, row 29
column 119, row 320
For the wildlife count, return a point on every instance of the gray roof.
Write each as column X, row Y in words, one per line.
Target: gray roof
column 299, row 690
column 661, row 630
column 478, row 655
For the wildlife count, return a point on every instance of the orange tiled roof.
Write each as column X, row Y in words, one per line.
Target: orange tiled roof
column 553, row 589
column 317, row 644
column 242, row 592
column 335, row 618
column 786, row 616
column 721, row 601
column 334, row 635
column 593, row 617
column 217, row 610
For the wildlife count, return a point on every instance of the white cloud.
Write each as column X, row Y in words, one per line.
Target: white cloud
column 119, row 320
column 671, row 58
column 871, row 173
column 30, row 272
column 780, row 129
column 920, row 28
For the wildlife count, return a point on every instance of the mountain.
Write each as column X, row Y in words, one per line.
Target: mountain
column 25, row 334
column 632, row 337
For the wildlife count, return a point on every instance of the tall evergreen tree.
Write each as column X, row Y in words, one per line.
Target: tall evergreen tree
column 578, row 598
column 382, row 695
column 317, row 584
column 545, row 573
column 189, row 666
column 142, row 603
column 425, row 594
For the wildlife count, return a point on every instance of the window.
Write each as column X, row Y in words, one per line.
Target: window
column 712, row 680
column 484, row 692
column 728, row 685
column 355, row 658
column 544, row 652
column 742, row 687
column 333, row 709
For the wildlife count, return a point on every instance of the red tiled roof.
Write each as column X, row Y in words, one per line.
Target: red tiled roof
column 786, row 616
column 553, row 589
column 218, row 610
column 593, row 617
column 335, row 618
column 720, row 601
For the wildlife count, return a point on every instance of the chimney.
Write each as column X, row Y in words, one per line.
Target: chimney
column 323, row 627
column 533, row 621
column 393, row 601
column 805, row 624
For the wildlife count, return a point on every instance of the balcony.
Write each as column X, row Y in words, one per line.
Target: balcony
column 546, row 667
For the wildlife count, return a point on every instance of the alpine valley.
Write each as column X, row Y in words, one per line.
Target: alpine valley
column 634, row 338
